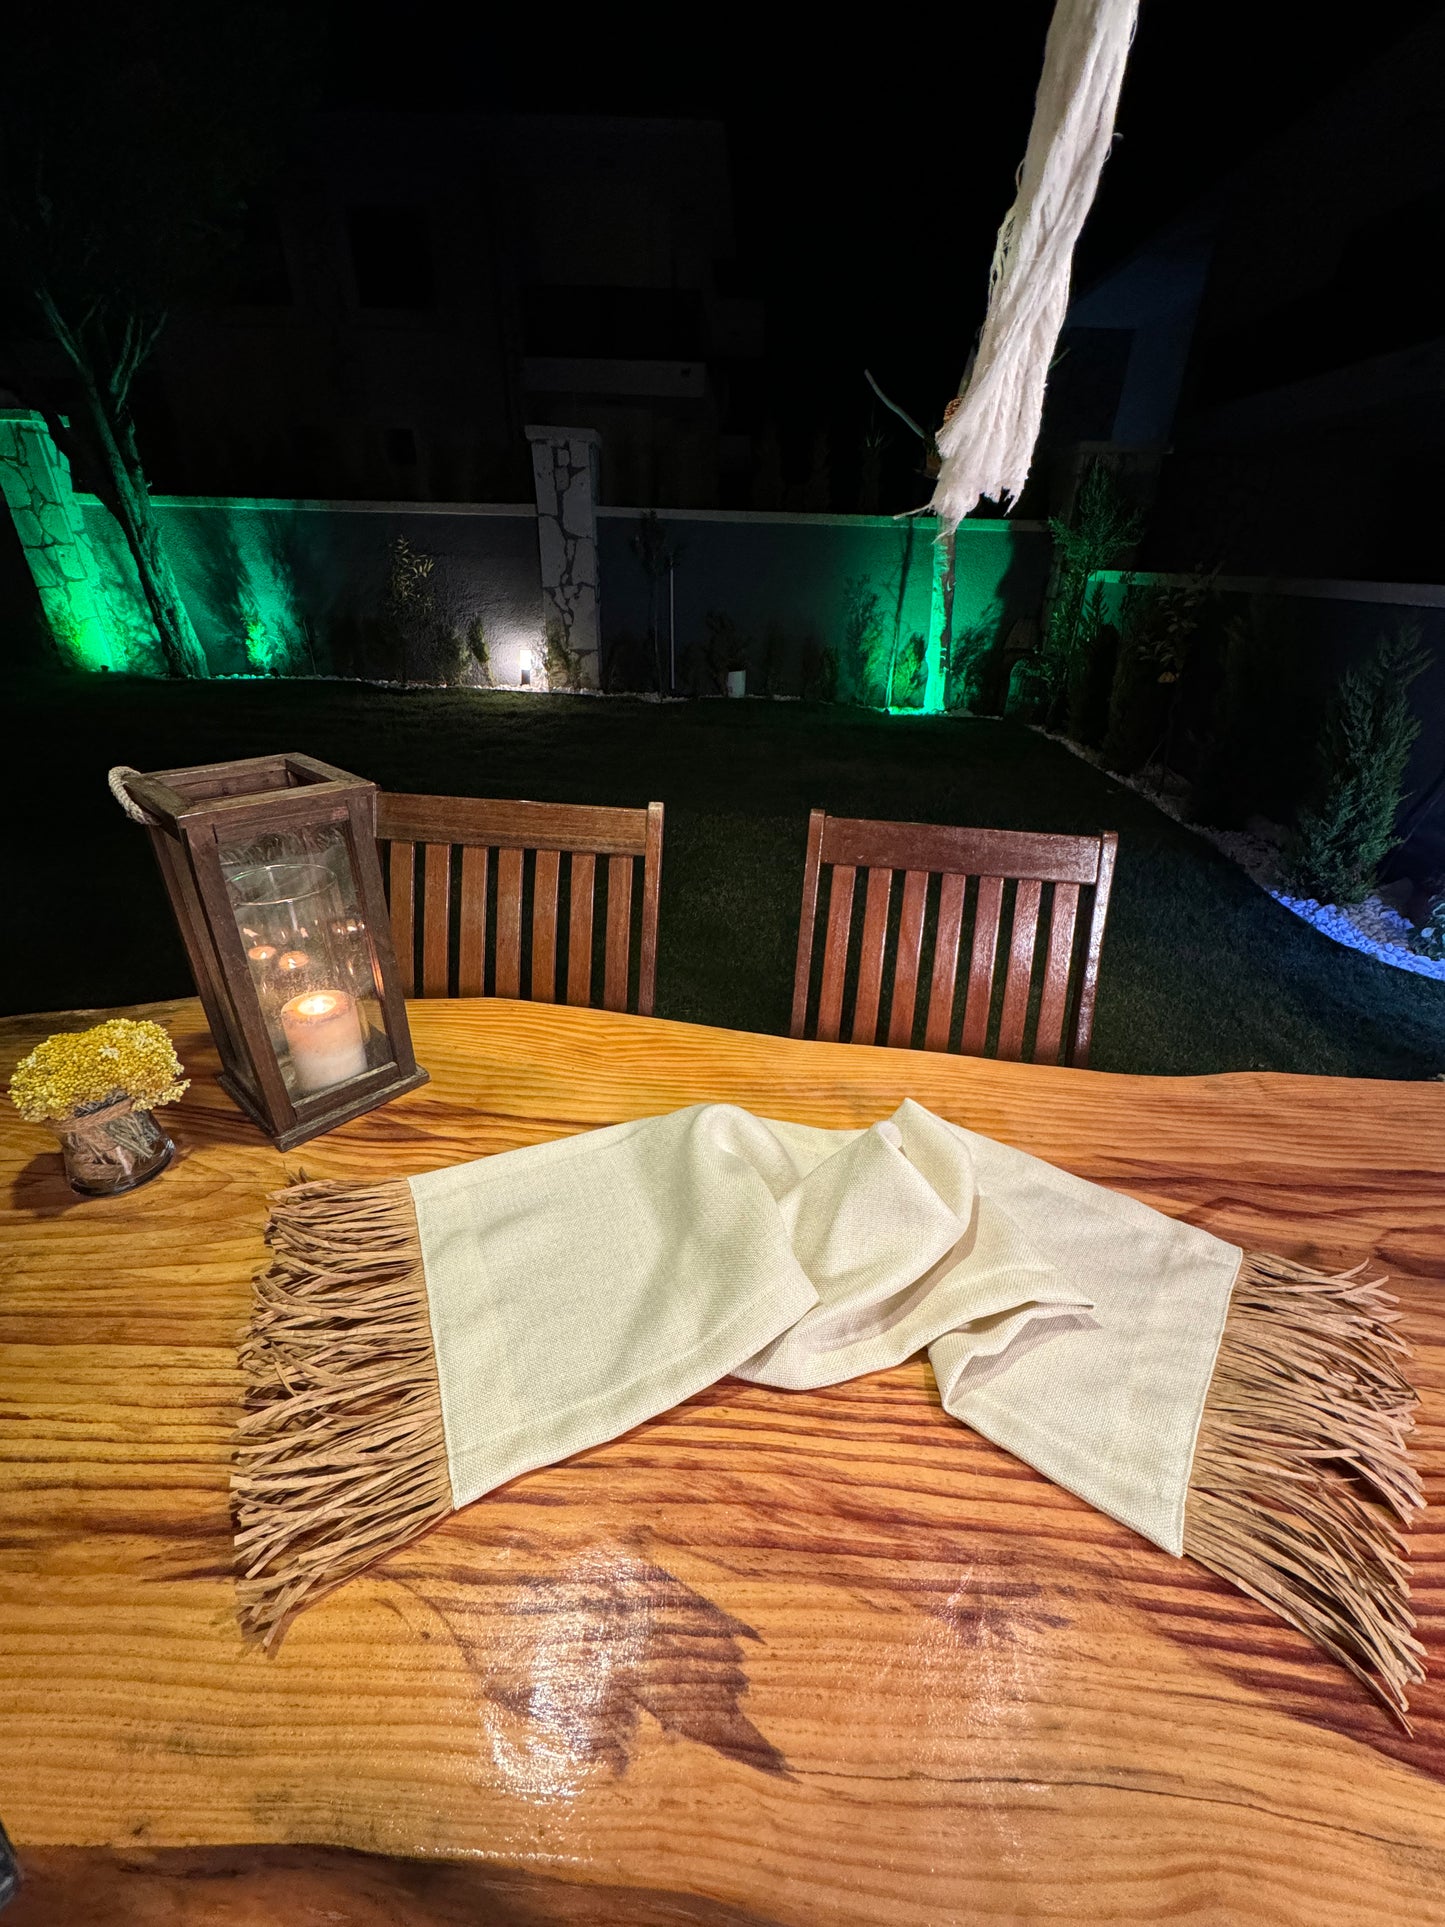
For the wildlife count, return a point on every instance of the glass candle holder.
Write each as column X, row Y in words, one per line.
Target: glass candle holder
column 112, row 1147
column 312, row 966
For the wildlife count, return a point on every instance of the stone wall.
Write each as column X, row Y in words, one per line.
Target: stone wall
column 778, row 588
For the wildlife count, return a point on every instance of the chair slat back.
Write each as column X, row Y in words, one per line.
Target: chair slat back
column 1004, row 904
column 491, row 895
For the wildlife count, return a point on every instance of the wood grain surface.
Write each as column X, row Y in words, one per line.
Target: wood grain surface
column 777, row 1658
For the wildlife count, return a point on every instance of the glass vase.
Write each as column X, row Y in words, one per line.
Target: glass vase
column 112, row 1147
column 311, row 960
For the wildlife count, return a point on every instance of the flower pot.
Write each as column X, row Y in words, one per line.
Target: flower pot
column 737, row 682
column 112, row 1147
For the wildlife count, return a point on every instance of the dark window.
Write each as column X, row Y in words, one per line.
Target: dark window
column 629, row 324
column 257, row 275
column 313, row 453
column 1382, row 296
column 733, row 279
column 400, row 445
column 391, row 257
column 1085, row 384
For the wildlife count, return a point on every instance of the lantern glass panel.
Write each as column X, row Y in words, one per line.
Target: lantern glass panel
column 312, row 963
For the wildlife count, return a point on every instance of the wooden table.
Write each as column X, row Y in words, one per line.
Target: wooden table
column 772, row 1658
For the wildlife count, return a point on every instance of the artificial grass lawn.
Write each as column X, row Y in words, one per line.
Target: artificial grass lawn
column 1201, row 970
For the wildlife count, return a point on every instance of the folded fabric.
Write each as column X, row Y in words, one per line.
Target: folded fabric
column 417, row 1343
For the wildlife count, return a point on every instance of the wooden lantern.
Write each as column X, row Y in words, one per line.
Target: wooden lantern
column 272, row 872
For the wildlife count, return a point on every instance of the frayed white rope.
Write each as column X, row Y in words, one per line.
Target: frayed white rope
column 987, row 443
column 117, row 781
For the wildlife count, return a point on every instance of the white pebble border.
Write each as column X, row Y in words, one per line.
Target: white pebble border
column 1371, row 926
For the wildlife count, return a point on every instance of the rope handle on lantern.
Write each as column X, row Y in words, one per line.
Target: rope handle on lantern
column 116, row 779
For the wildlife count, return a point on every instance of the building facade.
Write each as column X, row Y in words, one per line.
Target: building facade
column 1275, row 358
column 418, row 288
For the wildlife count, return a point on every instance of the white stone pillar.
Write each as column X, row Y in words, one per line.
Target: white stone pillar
column 35, row 485
column 564, row 472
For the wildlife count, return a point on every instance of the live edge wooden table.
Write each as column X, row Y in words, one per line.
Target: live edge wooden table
column 802, row 1658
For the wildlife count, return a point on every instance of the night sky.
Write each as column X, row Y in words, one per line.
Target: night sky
column 873, row 160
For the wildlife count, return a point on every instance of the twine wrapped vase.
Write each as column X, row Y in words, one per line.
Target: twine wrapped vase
column 112, row 1147
column 97, row 1090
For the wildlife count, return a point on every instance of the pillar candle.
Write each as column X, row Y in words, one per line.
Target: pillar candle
column 324, row 1035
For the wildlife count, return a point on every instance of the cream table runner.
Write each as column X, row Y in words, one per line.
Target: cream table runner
column 418, row 1343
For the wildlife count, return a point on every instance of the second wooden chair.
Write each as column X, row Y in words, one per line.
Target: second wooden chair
column 464, row 924
column 991, row 880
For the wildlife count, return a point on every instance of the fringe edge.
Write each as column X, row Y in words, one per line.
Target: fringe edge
column 1301, row 1471
column 340, row 1454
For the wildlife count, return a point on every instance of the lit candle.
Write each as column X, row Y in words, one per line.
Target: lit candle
column 324, row 1035
column 292, row 960
column 261, row 954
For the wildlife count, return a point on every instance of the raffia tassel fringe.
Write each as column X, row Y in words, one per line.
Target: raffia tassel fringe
column 1300, row 1472
column 340, row 1455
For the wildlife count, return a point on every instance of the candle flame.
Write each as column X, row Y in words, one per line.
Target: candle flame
column 294, row 960
column 321, row 1003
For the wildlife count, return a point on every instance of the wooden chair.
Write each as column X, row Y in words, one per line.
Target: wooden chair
column 987, row 881
column 464, row 925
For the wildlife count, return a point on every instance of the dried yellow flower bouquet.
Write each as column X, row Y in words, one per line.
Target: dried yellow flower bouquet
column 96, row 1089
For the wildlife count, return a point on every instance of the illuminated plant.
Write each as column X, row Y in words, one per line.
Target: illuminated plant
column 564, row 664
column 264, row 652
column 865, row 640
column 480, row 650
column 410, row 603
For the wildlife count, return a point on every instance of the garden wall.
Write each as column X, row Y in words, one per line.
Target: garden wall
column 302, row 585
column 1267, row 654
column 300, row 588
column 777, row 588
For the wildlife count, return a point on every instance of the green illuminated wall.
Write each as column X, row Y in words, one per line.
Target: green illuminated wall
column 298, row 588
column 799, row 577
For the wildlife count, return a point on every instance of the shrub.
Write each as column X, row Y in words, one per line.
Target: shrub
column 1099, row 533
column 865, row 643
column 724, row 647
column 657, row 557
column 819, row 672
column 265, row 652
column 1157, row 623
column 453, row 659
column 775, row 650
column 459, row 651
column 628, row 663
column 1429, row 939
column 910, row 673
column 410, row 604
column 1258, row 758
column 1342, row 838
column 1092, row 678
column 565, row 667
column 479, row 650
column 971, row 673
